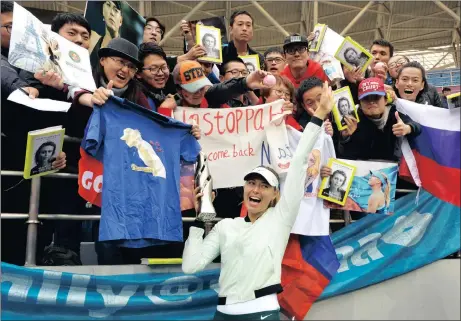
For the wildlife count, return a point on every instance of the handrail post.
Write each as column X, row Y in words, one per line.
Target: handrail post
column 32, row 227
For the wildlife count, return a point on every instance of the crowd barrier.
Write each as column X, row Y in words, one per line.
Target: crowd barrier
column 33, row 217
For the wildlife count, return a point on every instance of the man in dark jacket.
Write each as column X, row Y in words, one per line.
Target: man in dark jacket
column 376, row 135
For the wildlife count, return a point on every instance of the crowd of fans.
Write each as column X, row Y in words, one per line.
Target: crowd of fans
column 144, row 74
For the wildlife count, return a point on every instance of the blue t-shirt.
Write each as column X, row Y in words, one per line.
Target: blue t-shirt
column 141, row 152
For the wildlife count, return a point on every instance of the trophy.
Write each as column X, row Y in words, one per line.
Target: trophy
column 206, row 211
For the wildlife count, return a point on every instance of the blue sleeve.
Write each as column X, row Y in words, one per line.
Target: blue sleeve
column 212, row 77
column 189, row 147
column 94, row 132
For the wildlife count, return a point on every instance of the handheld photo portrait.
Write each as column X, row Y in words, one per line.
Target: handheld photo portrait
column 43, row 146
column 251, row 62
column 336, row 187
column 352, row 55
column 344, row 107
column 319, row 33
column 210, row 38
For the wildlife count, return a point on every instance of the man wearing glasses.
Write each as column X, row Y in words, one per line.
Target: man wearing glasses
column 236, row 68
column 274, row 60
column 300, row 67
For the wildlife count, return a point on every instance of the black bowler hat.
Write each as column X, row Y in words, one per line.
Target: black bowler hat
column 119, row 47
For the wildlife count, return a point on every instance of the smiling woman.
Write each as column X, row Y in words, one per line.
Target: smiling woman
column 252, row 247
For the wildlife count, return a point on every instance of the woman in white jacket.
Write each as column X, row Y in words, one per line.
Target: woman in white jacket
column 252, row 248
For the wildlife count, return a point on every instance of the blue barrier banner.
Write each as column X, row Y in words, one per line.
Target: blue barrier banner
column 379, row 247
column 375, row 248
column 49, row 295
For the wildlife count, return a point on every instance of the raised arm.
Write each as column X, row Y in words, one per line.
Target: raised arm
column 293, row 191
column 199, row 252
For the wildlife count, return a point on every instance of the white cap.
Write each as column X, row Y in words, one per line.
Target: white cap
column 266, row 174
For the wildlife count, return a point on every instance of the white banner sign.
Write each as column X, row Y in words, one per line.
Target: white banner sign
column 235, row 140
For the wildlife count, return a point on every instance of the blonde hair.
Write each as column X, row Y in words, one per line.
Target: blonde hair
column 314, row 169
column 387, row 190
column 280, row 81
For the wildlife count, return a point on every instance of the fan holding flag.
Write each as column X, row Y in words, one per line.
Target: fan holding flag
column 252, row 247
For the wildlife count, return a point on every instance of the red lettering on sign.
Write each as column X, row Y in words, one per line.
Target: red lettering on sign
column 230, row 119
column 236, row 152
column 218, row 117
column 249, row 113
column 258, row 121
column 220, row 154
column 207, row 120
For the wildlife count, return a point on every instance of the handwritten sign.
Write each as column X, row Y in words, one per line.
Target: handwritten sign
column 233, row 139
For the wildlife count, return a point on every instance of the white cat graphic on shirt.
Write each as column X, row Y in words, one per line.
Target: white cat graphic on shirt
column 146, row 152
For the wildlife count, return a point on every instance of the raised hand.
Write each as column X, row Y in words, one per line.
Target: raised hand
column 50, row 78
column 101, row 94
column 255, row 80
column 400, row 128
column 60, row 161
column 325, row 171
column 328, row 127
column 351, row 126
column 326, row 102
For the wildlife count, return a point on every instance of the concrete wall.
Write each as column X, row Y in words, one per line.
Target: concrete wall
column 429, row 293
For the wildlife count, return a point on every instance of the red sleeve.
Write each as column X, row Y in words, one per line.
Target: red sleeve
column 320, row 74
column 293, row 123
column 165, row 111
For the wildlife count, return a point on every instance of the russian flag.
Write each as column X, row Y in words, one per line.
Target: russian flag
column 432, row 159
column 308, row 265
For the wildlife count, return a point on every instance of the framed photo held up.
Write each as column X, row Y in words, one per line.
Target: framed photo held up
column 352, row 55
column 319, row 32
column 210, row 38
column 336, row 187
column 43, row 146
column 344, row 106
column 251, row 62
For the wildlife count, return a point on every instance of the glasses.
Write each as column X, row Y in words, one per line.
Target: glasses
column 276, row 60
column 120, row 64
column 8, row 28
column 398, row 63
column 236, row 72
column 282, row 93
column 292, row 50
column 156, row 29
column 155, row 70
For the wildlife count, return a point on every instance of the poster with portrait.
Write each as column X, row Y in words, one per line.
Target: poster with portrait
column 352, row 55
column 336, row 187
column 454, row 100
column 344, row 106
column 210, row 38
column 34, row 47
column 112, row 19
column 43, row 146
column 319, row 33
column 217, row 22
column 251, row 62
column 373, row 188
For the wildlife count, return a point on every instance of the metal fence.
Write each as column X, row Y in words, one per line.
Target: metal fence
column 33, row 217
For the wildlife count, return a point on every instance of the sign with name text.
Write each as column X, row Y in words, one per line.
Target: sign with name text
column 235, row 139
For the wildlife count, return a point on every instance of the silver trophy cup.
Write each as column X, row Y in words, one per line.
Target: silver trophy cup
column 206, row 211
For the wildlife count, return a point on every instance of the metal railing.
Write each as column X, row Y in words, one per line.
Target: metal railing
column 33, row 217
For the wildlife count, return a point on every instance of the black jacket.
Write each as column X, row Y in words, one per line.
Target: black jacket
column 222, row 93
column 230, row 52
column 370, row 143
